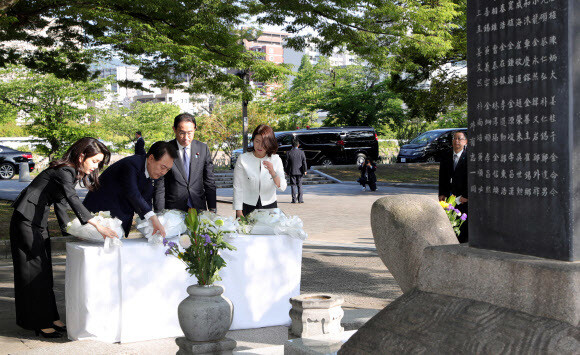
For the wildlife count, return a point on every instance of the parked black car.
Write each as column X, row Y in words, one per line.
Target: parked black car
column 428, row 146
column 328, row 145
column 10, row 160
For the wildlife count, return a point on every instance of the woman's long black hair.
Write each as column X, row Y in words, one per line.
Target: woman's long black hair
column 87, row 147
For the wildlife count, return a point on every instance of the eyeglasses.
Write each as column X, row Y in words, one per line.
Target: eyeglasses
column 459, row 139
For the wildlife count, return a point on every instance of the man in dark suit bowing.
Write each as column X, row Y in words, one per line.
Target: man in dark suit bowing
column 295, row 166
column 453, row 178
column 127, row 186
column 190, row 183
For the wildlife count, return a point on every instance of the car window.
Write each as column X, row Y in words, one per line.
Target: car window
column 285, row 139
column 319, row 138
column 361, row 134
column 425, row 137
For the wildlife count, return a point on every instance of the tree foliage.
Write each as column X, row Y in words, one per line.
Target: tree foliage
column 55, row 109
column 154, row 120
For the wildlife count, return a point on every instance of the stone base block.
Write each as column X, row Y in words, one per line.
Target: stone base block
column 426, row 323
column 316, row 314
column 221, row 347
column 538, row 286
column 317, row 345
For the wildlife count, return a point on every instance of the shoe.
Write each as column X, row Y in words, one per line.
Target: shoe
column 293, row 202
column 300, row 201
column 59, row 329
column 54, row 334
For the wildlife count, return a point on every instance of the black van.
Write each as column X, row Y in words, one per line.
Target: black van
column 428, row 146
column 328, row 145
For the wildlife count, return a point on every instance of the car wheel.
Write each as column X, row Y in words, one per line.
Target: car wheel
column 7, row 171
column 360, row 158
column 431, row 159
column 325, row 161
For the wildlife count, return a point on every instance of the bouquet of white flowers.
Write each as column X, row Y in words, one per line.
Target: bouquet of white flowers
column 272, row 221
column 89, row 233
column 172, row 220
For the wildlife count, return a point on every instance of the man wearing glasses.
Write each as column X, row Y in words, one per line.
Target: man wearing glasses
column 190, row 182
column 453, row 178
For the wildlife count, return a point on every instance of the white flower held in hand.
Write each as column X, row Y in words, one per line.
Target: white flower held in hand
column 184, row 241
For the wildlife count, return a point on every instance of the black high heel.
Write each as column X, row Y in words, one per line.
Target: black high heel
column 59, row 329
column 54, row 334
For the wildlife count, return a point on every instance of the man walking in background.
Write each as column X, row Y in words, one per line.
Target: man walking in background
column 139, row 144
column 190, row 183
column 295, row 168
column 453, row 178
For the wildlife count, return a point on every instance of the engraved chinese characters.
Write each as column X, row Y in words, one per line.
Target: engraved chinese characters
column 521, row 143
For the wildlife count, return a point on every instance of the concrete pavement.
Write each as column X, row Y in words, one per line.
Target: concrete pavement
column 339, row 257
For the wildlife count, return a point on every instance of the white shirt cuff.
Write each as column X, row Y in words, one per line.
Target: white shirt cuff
column 457, row 201
column 149, row 215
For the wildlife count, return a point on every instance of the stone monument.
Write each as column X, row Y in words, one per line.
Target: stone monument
column 516, row 287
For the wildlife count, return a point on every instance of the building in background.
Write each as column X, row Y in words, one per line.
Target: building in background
column 270, row 43
column 123, row 96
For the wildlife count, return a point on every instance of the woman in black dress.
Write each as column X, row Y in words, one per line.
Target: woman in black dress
column 367, row 175
column 30, row 243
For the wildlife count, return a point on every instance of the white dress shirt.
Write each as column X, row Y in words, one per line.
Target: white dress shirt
column 150, row 213
column 252, row 180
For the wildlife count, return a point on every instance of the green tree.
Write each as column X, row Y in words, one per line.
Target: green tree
column 55, row 109
column 222, row 129
column 360, row 96
column 154, row 120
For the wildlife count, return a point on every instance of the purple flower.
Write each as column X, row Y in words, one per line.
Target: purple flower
column 457, row 211
column 464, row 216
column 450, row 207
column 211, row 252
column 168, row 251
column 171, row 244
column 207, row 238
column 164, row 242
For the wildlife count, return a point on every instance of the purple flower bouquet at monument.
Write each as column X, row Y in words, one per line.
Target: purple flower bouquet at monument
column 455, row 216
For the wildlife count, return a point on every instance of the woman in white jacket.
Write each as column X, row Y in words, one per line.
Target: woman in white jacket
column 258, row 174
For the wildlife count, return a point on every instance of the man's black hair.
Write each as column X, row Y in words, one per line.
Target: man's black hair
column 159, row 149
column 295, row 142
column 184, row 117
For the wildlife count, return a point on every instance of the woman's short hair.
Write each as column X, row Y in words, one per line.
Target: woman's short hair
column 86, row 148
column 268, row 138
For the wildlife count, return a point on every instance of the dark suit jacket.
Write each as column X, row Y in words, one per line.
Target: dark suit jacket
column 52, row 186
column 172, row 190
column 140, row 146
column 453, row 182
column 124, row 191
column 370, row 173
column 295, row 162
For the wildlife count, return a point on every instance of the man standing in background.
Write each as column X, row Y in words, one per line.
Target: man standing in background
column 296, row 167
column 139, row 144
column 190, row 183
column 453, row 178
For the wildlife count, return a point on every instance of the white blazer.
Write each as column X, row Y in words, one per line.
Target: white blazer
column 252, row 180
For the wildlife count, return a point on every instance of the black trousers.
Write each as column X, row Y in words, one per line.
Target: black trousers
column 296, row 184
column 247, row 209
column 33, row 283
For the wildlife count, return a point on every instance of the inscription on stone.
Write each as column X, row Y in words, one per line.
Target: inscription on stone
column 521, row 136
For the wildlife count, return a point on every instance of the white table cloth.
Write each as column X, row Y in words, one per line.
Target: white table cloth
column 131, row 293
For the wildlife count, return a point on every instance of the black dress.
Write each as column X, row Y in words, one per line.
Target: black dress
column 30, row 243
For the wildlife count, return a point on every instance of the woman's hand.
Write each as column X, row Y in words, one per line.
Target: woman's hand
column 106, row 232
column 268, row 165
column 157, row 226
column 239, row 214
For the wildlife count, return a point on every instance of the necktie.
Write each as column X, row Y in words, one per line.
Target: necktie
column 186, row 164
column 455, row 160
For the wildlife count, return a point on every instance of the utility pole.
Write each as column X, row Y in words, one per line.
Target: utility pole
column 244, row 75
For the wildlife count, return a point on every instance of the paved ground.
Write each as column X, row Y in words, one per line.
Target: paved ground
column 339, row 257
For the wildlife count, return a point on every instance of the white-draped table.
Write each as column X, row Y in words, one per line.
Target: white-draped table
column 131, row 293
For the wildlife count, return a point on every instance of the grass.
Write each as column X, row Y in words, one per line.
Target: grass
column 420, row 173
column 6, row 214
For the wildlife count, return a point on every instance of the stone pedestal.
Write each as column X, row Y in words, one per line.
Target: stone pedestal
column 316, row 314
column 221, row 347
column 475, row 301
column 537, row 286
